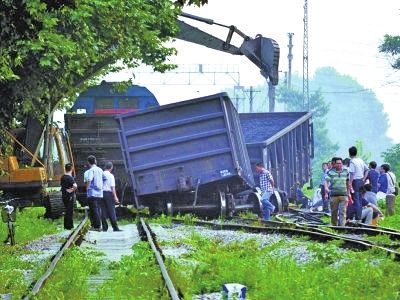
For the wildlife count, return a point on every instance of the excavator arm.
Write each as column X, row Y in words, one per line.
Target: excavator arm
column 262, row 51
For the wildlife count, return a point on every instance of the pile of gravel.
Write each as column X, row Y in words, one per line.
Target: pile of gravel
column 169, row 234
column 45, row 247
column 43, row 250
column 299, row 253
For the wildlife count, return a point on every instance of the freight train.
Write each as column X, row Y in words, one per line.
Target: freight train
column 188, row 156
column 192, row 155
column 92, row 130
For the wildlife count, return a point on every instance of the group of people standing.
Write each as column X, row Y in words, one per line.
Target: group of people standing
column 100, row 192
column 350, row 187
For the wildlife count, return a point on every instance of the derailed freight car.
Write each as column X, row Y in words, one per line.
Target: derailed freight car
column 284, row 143
column 188, row 156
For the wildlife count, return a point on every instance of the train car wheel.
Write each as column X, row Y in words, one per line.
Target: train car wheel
column 276, row 200
column 255, row 199
column 170, row 210
column 222, row 200
column 230, row 200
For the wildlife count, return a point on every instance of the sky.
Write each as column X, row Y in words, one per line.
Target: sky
column 342, row 34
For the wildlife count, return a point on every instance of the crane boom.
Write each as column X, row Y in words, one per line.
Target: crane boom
column 262, row 51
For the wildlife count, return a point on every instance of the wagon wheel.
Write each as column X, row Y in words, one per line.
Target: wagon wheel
column 223, row 204
column 276, row 200
column 255, row 199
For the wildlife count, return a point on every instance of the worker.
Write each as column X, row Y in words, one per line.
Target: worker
column 93, row 179
column 267, row 189
column 336, row 183
column 358, row 170
column 110, row 198
column 68, row 188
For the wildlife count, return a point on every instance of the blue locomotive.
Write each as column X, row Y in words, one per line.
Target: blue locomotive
column 104, row 99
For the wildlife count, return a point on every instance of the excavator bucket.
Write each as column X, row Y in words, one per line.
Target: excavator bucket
column 264, row 53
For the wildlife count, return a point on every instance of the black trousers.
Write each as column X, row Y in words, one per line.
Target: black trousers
column 95, row 211
column 69, row 210
column 108, row 211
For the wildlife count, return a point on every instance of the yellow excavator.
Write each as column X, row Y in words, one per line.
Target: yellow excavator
column 31, row 176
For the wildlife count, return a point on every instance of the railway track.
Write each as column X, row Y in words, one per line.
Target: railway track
column 148, row 235
column 313, row 233
column 76, row 235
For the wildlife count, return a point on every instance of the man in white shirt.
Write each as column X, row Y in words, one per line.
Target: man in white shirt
column 109, row 199
column 357, row 169
column 93, row 179
column 391, row 178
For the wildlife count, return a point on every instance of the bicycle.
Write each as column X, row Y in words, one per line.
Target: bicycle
column 9, row 216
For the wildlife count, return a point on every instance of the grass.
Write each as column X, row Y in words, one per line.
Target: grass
column 29, row 226
column 136, row 276
column 381, row 239
column 332, row 274
column 390, row 221
column 308, row 192
column 69, row 280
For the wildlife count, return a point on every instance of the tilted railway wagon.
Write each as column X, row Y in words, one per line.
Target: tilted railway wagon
column 188, row 156
column 284, row 143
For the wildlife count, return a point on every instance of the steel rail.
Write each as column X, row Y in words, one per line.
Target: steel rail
column 314, row 235
column 368, row 230
column 71, row 239
column 170, row 286
column 320, row 229
column 371, row 230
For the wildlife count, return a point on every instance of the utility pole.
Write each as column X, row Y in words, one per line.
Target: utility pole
column 271, row 96
column 290, row 57
column 306, row 94
column 251, row 98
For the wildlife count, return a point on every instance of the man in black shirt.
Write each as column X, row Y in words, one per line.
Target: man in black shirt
column 68, row 187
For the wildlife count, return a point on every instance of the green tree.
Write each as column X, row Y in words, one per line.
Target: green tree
column 392, row 156
column 50, row 50
column 355, row 114
column 391, row 46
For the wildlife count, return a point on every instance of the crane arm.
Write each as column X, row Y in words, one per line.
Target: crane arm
column 262, row 51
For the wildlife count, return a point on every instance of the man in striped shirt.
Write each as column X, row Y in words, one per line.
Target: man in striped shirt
column 337, row 183
column 267, row 189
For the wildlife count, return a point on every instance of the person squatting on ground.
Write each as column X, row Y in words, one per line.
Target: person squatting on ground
column 68, row 188
column 301, row 199
column 339, row 190
column 370, row 196
column 267, row 189
column 369, row 210
column 93, row 179
column 109, row 199
column 358, row 170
